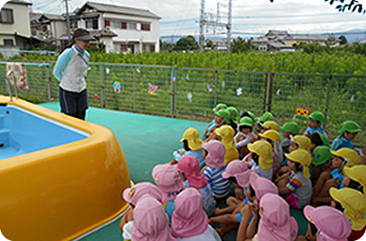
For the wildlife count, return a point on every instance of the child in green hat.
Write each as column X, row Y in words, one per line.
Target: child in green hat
column 244, row 136
column 213, row 124
column 348, row 132
column 321, row 161
column 315, row 121
column 233, row 117
column 289, row 129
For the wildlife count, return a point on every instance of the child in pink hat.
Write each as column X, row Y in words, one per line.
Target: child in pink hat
column 189, row 220
column 167, row 179
column 257, row 189
column 238, row 174
column 132, row 195
column 190, row 169
column 214, row 156
column 151, row 223
column 275, row 223
column 327, row 224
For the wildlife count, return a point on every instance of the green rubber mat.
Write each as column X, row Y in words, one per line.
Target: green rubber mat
column 146, row 141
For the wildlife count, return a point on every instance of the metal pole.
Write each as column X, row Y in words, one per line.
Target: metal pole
column 215, row 92
column 102, row 77
column 67, row 20
column 172, row 103
column 327, row 101
column 49, row 78
column 202, row 25
column 134, row 89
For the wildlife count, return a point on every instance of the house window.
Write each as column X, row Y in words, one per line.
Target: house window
column 115, row 24
column 8, row 42
column 123, row 25
column 131, row 25
column 124, row 48
column 44, row 28
column 145, row 27
column 107, row 23
column 6, row 16
column 74, row 25
column 91, row 24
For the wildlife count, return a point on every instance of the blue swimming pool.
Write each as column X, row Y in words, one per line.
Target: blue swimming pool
column 22, row 132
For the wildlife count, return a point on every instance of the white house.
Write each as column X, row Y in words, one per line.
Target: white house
column 14, row 24
column 124, row 29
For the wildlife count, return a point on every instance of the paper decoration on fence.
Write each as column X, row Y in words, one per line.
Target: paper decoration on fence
column 302, row 113
column 239, row 91
column 117, row 86
column 89, row 68
column 152, row 89
column 107, row 70
column 138, row 69
column 352, row 99
column 278, row 92
column 187, row 77
column 173, row 78
column 96, row 96
column 223, row 84
column 209, row 89
column 189, row 96
column 18, row 76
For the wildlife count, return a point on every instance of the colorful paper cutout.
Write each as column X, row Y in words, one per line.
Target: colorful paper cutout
column 96, row 96
column 209, row 89
column 138, row 69
column 18, row 76
column 173, row 78
column 152, row 89
column 107, row 70
column 302, row 113
column 117, row 86
column 239, row 91
column 189, row 96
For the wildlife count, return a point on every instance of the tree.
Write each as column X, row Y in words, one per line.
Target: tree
column 343, row 39
column 239, row 45
column 345, row 5
column 188, row 43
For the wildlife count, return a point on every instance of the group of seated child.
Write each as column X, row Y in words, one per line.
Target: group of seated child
column 269, row 172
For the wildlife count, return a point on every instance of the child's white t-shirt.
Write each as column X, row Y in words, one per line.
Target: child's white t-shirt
column 262, row 173
column 209, row 235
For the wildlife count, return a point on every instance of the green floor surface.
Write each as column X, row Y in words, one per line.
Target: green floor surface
column 146, row 141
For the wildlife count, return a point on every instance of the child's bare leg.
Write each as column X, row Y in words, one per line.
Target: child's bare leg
column 239, row 193
column 224, row 219
column 324, row 176
column 232, row 203
column 282, row 183
column 239, row 207
column 282, row 170
column 225, row 228
column 324, row 195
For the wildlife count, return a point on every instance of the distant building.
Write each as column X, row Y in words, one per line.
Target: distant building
column 14, row 25
column 219, row 44
column 276, row 40
column 121, row 29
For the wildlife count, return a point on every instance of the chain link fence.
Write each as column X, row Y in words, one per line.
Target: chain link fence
column 191, row 93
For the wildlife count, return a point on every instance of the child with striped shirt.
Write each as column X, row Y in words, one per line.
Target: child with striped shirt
column 215, row 161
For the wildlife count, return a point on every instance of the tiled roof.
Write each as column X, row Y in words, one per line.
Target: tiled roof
column 101, row 7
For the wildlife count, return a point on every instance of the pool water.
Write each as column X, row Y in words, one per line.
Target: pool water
column 22, row 132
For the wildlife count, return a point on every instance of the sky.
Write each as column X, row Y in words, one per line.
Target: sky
column 249, row 17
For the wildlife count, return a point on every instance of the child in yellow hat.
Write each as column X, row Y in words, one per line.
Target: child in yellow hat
column 343, row 157
column 274, row 138
column 260, row 158
column 355, row 177
column 354, row 204
column 296, row 186
column 225, row 134
column 192, row 145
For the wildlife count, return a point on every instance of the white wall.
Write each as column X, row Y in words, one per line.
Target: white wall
column 126, row 35
column 21, row 23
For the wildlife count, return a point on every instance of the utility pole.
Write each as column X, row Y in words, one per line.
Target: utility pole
column 67, row 20
column 202, row 25
column 228, row 26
